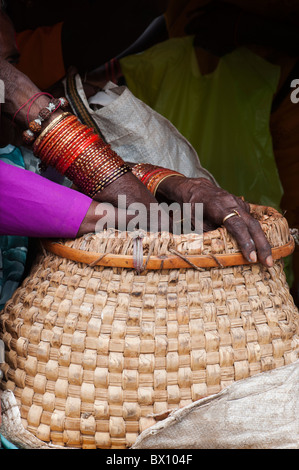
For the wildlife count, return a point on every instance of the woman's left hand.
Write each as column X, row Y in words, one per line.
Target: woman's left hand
column 218, row 204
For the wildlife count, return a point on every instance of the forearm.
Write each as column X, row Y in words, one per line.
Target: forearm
column 73, row 149
column 80, row 154
column 18, row 88
column 34, row 206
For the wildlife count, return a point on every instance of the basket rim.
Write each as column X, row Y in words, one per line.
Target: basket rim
column 171, row 261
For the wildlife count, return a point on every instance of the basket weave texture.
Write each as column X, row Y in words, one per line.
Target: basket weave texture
column 96, row 354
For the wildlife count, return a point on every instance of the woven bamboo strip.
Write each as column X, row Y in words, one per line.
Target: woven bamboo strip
column 156, row 262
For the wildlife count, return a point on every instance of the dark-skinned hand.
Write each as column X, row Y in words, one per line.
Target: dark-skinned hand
column 217, row 204
column 18, row 89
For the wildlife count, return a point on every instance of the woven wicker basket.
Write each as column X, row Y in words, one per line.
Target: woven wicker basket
column 97, row 352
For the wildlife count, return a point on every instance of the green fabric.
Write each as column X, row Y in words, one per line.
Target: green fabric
column 224, row 115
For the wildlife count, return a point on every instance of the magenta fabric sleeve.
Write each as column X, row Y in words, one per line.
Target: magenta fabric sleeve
column 33, row 206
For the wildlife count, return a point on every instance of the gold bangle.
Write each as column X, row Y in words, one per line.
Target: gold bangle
column 163, row 179
column 50, row 127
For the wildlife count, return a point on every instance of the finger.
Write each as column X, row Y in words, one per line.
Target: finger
column 262, row 245
column 239, row 230
column 243, row 204
column 250, row 237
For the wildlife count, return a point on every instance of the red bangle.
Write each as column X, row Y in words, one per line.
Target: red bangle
column 43, row 139
column 151, row 175
column 53, row 142
column 75, row 154
column 80, row 154
column 66, row 154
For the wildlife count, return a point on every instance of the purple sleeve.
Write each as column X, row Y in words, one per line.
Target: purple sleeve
column 33, row 206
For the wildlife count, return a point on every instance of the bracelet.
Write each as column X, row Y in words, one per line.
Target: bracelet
column 152, row 176
column 163, row 178
column 63, row 150
column 55, row 122
column 48, row 145
column 80, row 154
column 35, row 126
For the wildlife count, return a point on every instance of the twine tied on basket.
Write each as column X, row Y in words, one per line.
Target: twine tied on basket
column 295, row 234
column 138, row 253
column 137, row 236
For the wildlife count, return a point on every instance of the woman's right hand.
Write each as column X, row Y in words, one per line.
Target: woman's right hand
column 217, row 205
column 128, row 193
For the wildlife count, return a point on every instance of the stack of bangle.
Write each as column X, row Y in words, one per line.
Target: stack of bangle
column 152, row 176
column 35, row 126
column 77, row 152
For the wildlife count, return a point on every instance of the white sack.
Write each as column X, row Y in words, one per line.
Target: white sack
column 261, row 412
column 138, row 133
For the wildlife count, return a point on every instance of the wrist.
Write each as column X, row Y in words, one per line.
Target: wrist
column 79, row 153
column 41, row 112
column 88, row 224
column 152, row 177
column 171, row 188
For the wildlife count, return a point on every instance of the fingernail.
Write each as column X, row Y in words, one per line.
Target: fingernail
column 269, row 261
column 253, row 256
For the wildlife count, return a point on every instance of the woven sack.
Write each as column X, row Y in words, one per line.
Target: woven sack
column 96, row 352
column 260, row 412
column 134, row 130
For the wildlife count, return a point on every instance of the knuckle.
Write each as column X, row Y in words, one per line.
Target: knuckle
column 254, row 223
column 265, row 248
column 247, row 244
